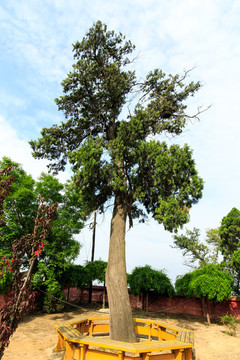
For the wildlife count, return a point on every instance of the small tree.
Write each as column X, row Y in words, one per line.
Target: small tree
column 209, row 282
column 144, row 279
column 97, row 271
column 75, row 275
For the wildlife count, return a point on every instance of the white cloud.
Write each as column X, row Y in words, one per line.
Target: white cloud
column 20, row 151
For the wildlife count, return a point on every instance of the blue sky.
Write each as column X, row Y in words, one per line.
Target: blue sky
column 36, row 54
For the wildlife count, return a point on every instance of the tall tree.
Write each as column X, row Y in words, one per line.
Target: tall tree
column 115, row 159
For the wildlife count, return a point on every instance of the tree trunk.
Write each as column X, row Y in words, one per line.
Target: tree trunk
column 147, row 302
column 207, row 311
column 120, row 320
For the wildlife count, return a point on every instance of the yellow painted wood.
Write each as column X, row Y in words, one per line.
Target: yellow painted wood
column 163, row 357
column 178, row 354
column 71, row 335
column 83, row 351
column 146, row 356
column 121, row 355
column 59, row 345
column 101, row 355
column 69, row 351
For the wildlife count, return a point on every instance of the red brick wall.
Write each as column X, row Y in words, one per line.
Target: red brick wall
column 177, row 304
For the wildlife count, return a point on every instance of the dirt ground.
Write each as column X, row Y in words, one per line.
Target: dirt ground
column 36, row 337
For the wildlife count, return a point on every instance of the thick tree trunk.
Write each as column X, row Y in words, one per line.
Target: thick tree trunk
column 120, row 319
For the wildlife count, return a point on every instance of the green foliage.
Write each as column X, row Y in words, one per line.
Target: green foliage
column 209, row 281
column 5, row 273
column 182, row 284
column 144, row 279
column 20, row 208
column 231, row 322
column 195, row 250
column 111, row 156
column 96, row 270
column 52, row 302
column 75, row 275
column 230, row 245
column 230, row 233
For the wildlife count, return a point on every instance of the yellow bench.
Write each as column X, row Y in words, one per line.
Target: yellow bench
column 177, row 345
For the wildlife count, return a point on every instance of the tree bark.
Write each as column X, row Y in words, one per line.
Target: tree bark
column 147, row 302
column 120, row 320
column 207, row 310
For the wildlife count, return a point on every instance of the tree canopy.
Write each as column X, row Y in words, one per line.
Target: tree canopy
column 144, row 278
column 110, row 155
column 210, row 281
column 96, row 270
column 115, row 152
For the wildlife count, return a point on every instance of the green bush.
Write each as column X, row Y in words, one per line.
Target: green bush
column 52, row 302
column 231, row 322
column 144, row 279
column 5, row 275
column 209, row 281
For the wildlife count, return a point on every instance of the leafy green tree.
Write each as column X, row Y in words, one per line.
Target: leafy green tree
column 75, row 275
column 20, row 208
column 210, row 281
column 196, row 253
column 182, row 284
column 230, row 244
column 230, row 233
column 143, row 279
column 96, row 270
column 116, row 159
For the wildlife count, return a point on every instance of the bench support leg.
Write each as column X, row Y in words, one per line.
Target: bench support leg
column 83, row 351
column 121, row 355
column 69, row 351
column 179, row 354
column 188, row 354
column 60, row 343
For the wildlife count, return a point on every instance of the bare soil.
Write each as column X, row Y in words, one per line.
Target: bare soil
column 36, row 337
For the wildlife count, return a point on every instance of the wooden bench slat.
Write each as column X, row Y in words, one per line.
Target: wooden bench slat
column 162, row 345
